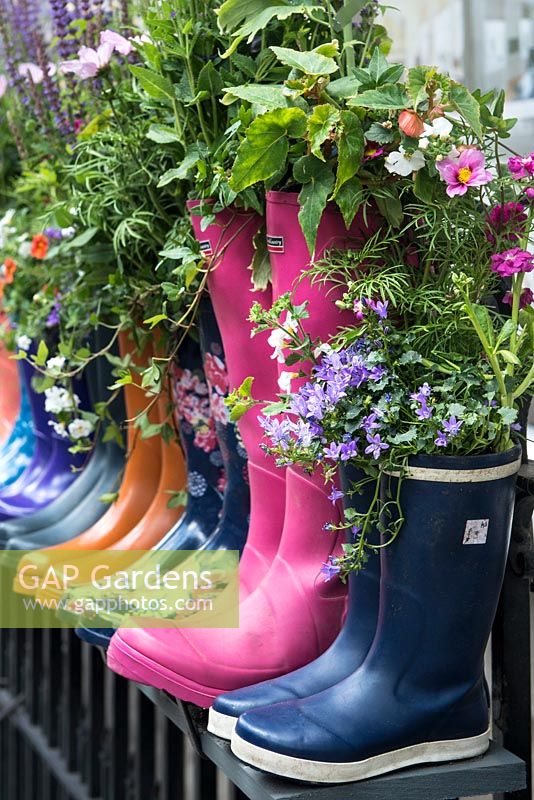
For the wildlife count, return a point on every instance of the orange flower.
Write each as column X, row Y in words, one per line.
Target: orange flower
column 411, row 124
column 9, row 270
column 39, row 247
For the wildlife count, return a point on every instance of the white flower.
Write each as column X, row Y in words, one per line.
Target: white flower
column 23, row 342
column 402, row 163
column 423, row 143
column 279, row 339
column 440, row 128
column 80, row 428
column 58, row 399
column 322, row 349
column 55, row 365
column 58, row 428
column 284, row 381
column 24, row 249
column 67, row 233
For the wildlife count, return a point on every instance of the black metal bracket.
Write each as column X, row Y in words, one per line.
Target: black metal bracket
column 12, row 706
column 190, row 728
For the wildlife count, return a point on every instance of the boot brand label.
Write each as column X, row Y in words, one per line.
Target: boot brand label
column 205, row 248
column 476, row 531
column 275, row 244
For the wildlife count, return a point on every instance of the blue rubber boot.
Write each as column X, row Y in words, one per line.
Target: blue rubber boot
column 420, row 695
column 79, row 506
column 17, row 452
column 345, row 655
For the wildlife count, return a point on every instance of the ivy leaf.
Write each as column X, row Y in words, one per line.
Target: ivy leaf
column 154, row 84
column 42, row 354
column 155, row 320
column 348, row 11
column 264, row 151
column 151, row 375
column 389, row 96
column 310, row 62
column 407, row 436
column 509, row 415
column 349, row 199
column 466, row 105
column 320, row 122
column 162, row 134
column 261, row 263
column 317, row 182
column 267, row 97
column 377, row 133
column 351, row 144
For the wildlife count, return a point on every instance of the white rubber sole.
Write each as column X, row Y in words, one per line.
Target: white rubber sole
column 222, row 725
column 329, row 772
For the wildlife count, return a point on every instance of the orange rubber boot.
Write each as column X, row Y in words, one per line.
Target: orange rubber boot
column 159, row 518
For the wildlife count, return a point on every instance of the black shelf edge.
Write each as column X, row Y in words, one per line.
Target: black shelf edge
column 496, row 771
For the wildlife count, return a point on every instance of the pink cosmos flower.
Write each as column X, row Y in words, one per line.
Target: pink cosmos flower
column 89, row 61
column 510, row 262
column 118, row 42
column 527, row 298
column 507, row 221
column 461, row 172
column 3, row 85
column 521, row 167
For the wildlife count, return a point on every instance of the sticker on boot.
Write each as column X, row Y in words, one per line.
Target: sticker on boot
column 476, row 531
column 206, row 248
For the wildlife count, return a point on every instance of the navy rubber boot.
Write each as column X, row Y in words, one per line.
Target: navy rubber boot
column 420, row 695
column 345, row 655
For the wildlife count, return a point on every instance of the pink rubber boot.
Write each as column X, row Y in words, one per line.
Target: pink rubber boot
column 228, row 244
column 293, row 616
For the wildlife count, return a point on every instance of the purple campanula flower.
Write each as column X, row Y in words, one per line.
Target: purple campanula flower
column 355, row 530
column 452, row 426
column 377, row 373
column 332, row 452
column 369, row 423
column 376, row 445
column 441, row 439
column 422, row 393
column 335, row 495
column 425, row 412
column 278, row 431
column 303, row 433
column 349, row 450
column 330, row 569
column 53, row 233
column 380, row 308
column 516, row 426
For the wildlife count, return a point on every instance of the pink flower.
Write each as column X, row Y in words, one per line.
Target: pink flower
column 506, row 221
column 118, row 42
column 527, row 298
column 529, row 193
column 218, row 409
column 89, row 61
column 206, row 438
column 521, row 167
column 510, row 262
column 372, row 150
column 31, row 72
column 3, row 85
column 461, row 172
column 216, row 373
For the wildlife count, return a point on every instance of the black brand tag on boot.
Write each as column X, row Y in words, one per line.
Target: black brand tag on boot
column 275, row 244
column 205, row 248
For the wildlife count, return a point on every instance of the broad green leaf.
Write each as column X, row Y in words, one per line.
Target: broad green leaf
column 350, row 144
column 509, row 415
column 209, row 80
column 233, row 13
column 245, row 390
column 257, row 21
column 320, row 122
column 377, row 66
column 466, row 105
column 154, row 84
column 274, row 408
column 150, row 376
column 509, row 357
column 191, row 158
column 377, row 133
column 42, row 354
column 310, row 62
column 162, row 134
column 342, row 88
column 389, row 96
column 349, row 199
column 268, row 97
column 317, row 182
column 506, row 331
column 175, row 253
column 264, row 151
column 416, row 83
column 390, row 207
column 484, row 320
column 261, row 262
column 424, row 186
column 346, row 13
